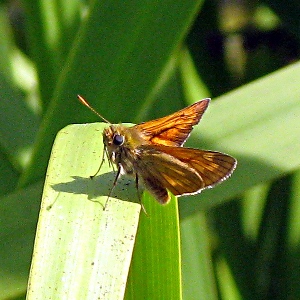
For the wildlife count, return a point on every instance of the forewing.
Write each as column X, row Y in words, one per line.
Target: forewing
column 173, row 130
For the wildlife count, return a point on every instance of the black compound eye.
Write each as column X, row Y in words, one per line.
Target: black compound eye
column 118, row 140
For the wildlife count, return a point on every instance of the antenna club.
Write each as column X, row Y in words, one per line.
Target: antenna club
column 84, row 102
column 81, row 99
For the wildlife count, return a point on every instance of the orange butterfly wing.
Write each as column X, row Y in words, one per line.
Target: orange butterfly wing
column 213, row 167
column 182, row 171
column 173, row 130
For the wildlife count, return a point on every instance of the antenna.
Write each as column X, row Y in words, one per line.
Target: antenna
column 84, row 102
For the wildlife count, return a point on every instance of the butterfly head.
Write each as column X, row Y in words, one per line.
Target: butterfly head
column 113, row 137
column 119, row 147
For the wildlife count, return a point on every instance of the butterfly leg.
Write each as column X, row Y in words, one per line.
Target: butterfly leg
column 114, row 184
column 102, row 161
column 139, row 194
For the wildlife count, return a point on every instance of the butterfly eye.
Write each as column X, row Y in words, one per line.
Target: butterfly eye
column 118, row 140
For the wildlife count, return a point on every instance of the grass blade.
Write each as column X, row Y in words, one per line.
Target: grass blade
column 82, row 251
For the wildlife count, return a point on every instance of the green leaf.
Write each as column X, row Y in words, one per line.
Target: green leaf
column 19, row 213
column 18, row 124
column 52, row 26
column 82, row 250
column 197, row 267
column 155, row 271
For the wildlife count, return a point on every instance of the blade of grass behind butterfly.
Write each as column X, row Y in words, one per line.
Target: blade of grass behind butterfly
column 197, row 264
column 15, row 113
column 51, row 28
column 155, row 271
column 81, row 251
column 291, row 255
column 19, row 211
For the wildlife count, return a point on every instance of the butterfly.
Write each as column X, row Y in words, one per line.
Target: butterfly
column 152, row 152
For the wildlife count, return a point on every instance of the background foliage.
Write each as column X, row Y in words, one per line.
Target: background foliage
column 145, row 59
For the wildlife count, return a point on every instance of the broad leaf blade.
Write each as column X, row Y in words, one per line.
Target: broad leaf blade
column 82, row 251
